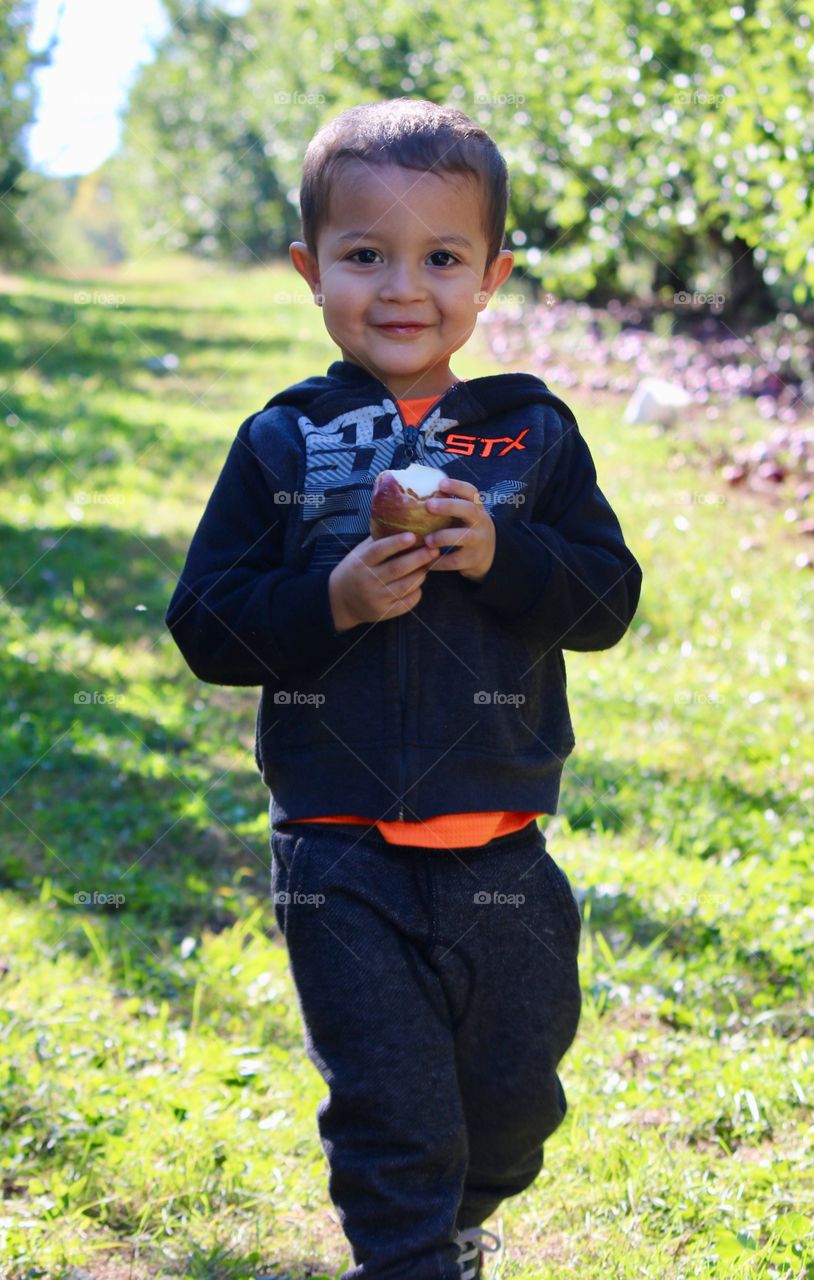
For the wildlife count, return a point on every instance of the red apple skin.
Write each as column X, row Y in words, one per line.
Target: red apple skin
column 396, row 510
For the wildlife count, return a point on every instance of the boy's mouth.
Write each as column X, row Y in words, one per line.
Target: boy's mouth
column 405, row 328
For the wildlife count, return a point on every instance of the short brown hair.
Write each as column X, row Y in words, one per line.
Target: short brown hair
column 414, row 133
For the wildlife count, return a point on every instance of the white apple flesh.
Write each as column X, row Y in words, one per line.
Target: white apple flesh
column 399, row 502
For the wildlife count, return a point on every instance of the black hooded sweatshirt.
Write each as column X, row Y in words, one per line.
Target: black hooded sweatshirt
column 458, row 705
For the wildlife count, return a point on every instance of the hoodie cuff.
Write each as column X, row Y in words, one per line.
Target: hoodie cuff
column 303, row 628
column 518, row 573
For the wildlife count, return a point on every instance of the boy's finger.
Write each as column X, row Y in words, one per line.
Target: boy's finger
column 443, row 506
column 377, row 549
column 381, row 548
column 404, row 562
column 461, row 488
column 444, row 563
column 446, row 537
column 456, row 508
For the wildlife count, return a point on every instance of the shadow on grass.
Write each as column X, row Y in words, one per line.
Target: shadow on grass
column 127, row 580
column 63, row 338
column 103, row 802
column 106, row 795
column 751, row 971
column 617, row 798
column 639, row 801
column 98, row 444
column 123, row 859
column 202, row 1263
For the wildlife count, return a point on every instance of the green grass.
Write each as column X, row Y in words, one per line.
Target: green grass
column 157, row 1109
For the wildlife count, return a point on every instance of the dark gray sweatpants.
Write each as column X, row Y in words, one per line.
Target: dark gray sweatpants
column 438, row 990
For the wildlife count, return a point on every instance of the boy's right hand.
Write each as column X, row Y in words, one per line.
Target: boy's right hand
column 380, row 578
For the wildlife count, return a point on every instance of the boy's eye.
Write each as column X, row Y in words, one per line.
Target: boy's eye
column 438, row 253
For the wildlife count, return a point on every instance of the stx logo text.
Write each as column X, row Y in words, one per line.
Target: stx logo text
column 455, row 442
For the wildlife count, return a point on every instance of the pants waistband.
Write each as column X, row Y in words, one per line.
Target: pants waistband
column 371, row 835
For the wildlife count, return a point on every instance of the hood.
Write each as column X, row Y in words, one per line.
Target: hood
column 471, row 401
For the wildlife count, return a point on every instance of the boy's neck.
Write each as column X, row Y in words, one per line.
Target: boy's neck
column 420, row 386
column 432, row 395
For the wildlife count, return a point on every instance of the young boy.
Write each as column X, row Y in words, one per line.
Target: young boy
column 413, row 722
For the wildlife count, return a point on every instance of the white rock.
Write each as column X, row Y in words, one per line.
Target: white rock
column 655, row 400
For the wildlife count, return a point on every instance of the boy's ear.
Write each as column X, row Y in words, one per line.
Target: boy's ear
column 499, row 271
column 305, row 263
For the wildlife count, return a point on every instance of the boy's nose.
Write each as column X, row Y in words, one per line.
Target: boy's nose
column 401, row 283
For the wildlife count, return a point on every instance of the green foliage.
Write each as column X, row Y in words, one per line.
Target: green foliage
column 17, row 101
column 678, row 136
column 197, row 132
column 71, row 222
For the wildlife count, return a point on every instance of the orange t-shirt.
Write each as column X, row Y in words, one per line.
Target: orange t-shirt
column 448, row 830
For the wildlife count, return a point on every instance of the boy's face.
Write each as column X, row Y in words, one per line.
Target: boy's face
column 388, row 255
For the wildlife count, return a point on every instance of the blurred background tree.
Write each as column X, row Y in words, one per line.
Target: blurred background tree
column 17, row 106
column 651, row 150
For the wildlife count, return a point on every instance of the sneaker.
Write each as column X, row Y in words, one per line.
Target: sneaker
column 472, row 1244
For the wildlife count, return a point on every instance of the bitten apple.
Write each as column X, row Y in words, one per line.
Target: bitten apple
column 399, row 502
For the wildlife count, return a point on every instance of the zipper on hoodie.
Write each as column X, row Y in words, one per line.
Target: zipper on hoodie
column 403, row 704
column 410, row 435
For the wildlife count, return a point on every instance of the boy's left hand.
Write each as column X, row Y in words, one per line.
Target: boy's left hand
column 474, row 543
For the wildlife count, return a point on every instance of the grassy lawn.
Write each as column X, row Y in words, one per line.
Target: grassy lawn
column 157, row 1109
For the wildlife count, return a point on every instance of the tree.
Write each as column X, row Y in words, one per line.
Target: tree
column 676, row 136
column 17, row 105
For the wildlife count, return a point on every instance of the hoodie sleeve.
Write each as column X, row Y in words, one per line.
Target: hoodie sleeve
column 567, row 574
column 238, row 615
